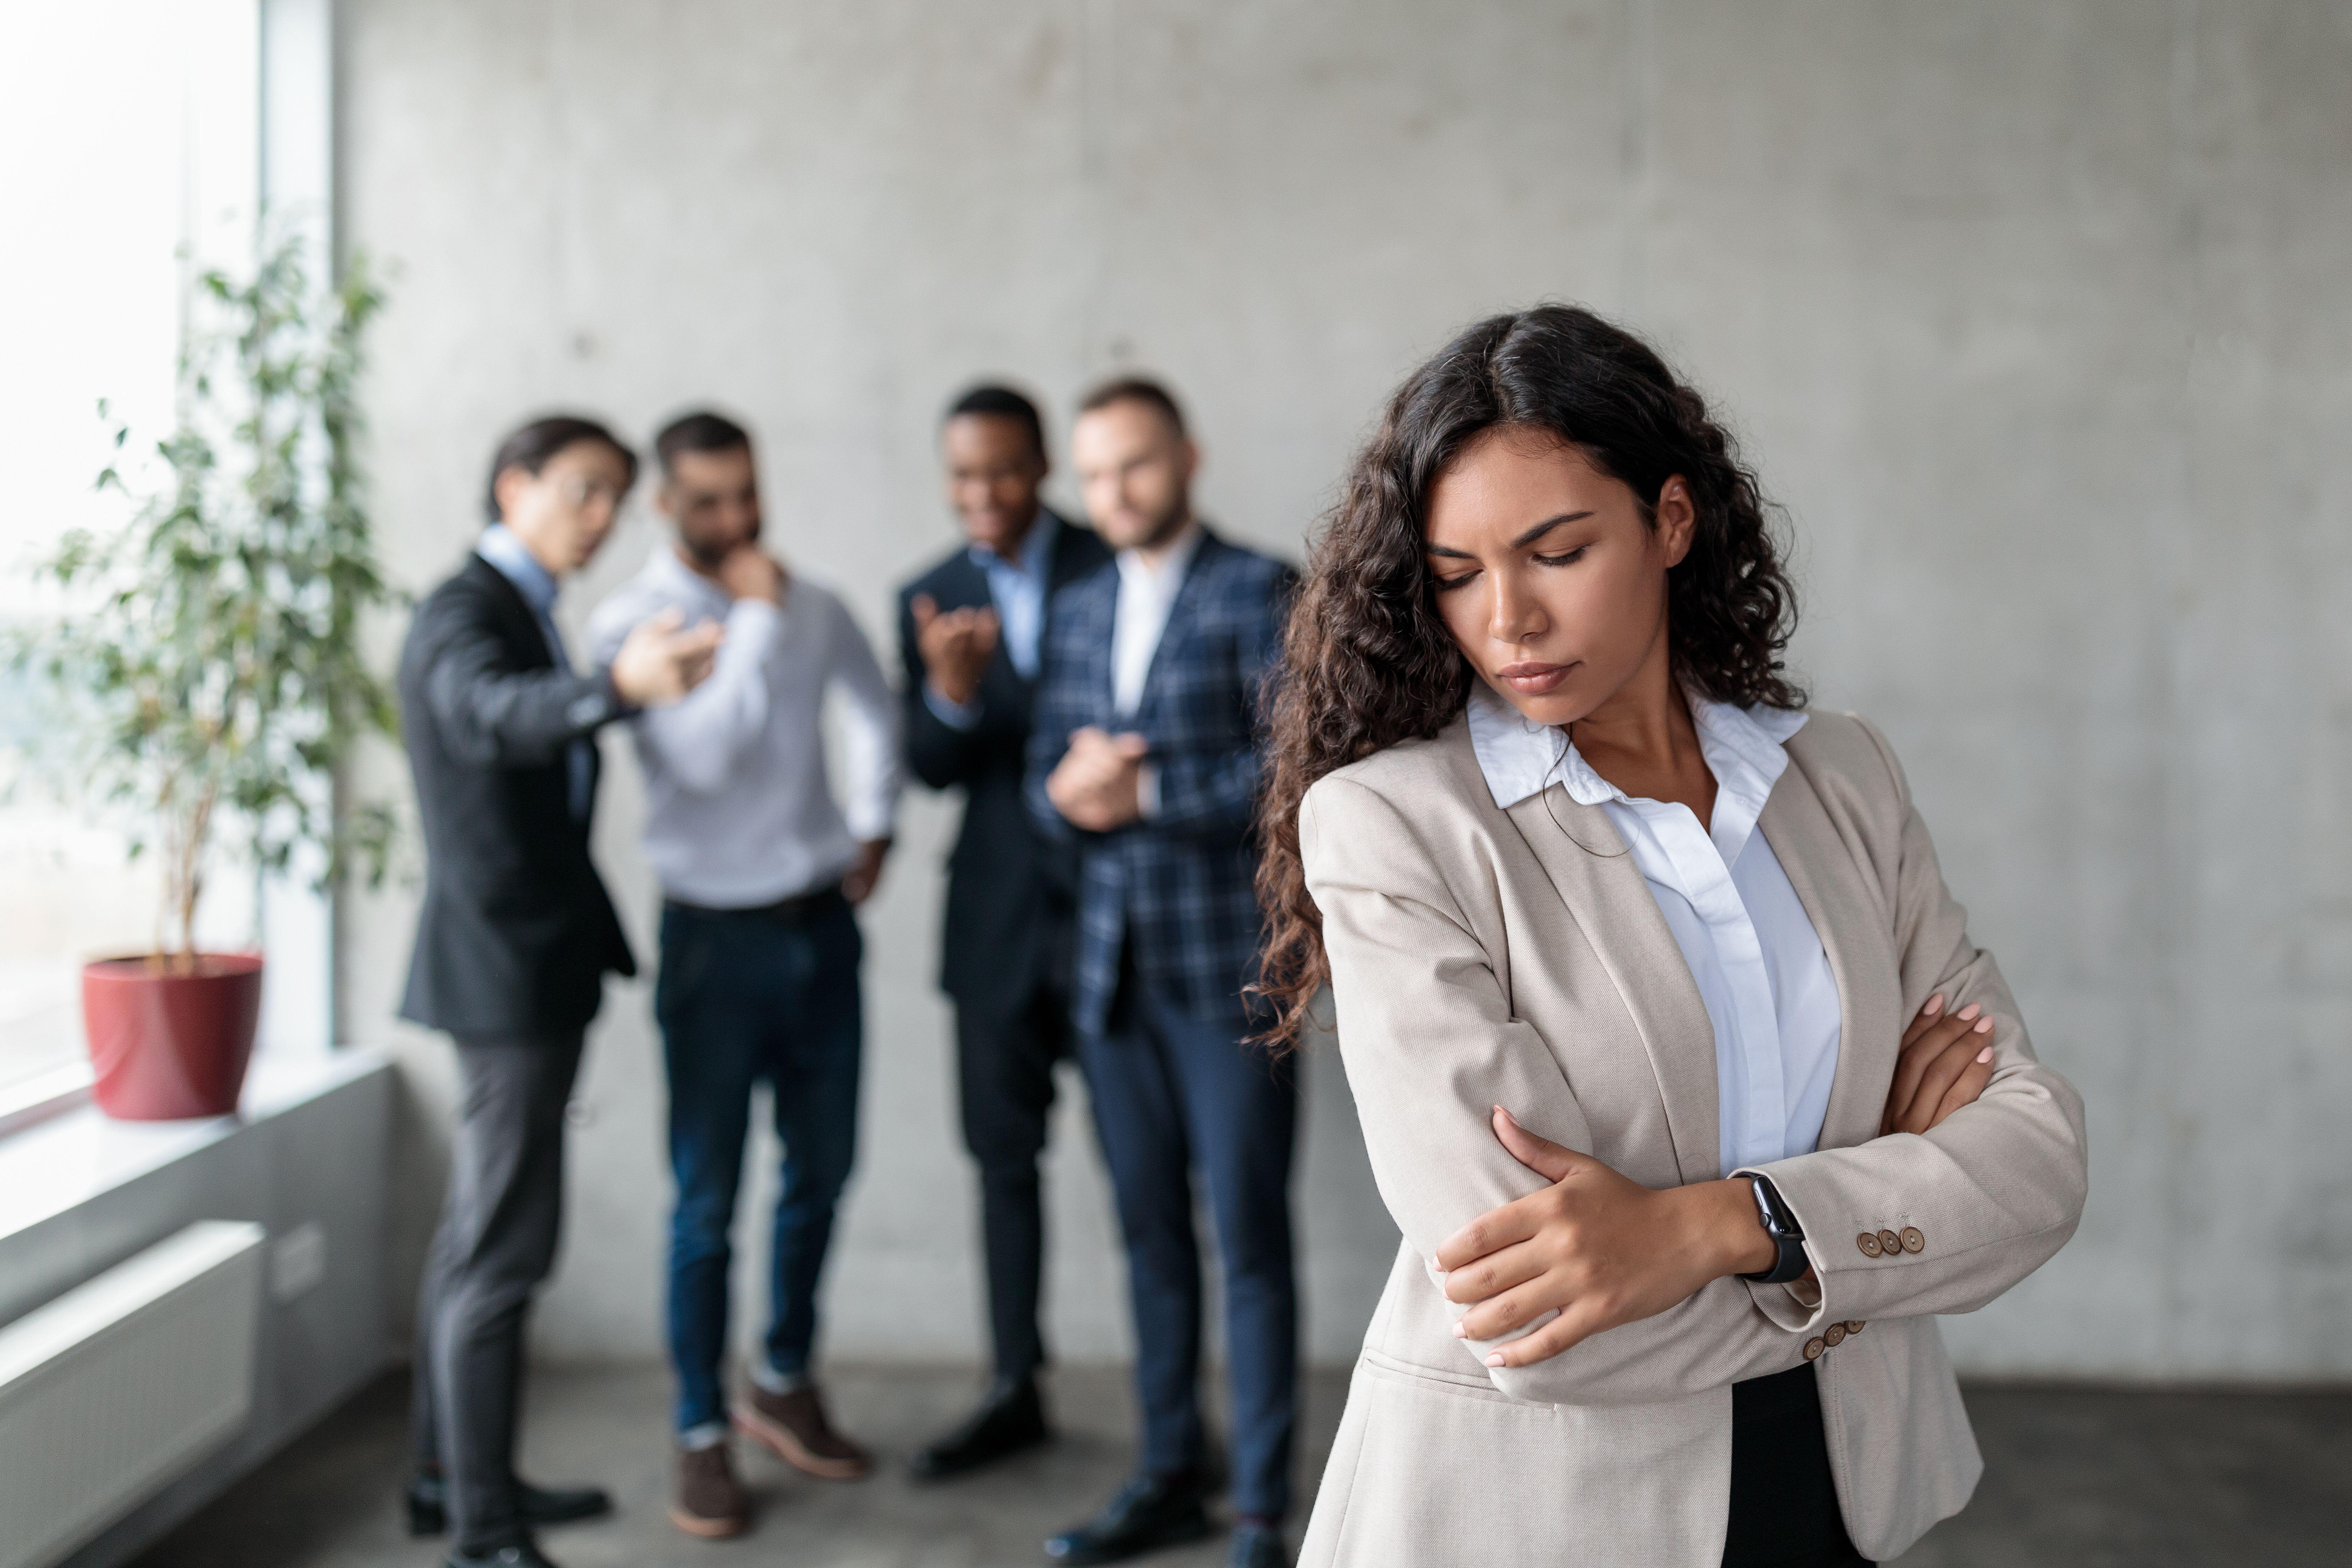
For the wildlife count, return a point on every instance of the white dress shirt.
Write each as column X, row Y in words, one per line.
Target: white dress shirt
column 1749, row 943
column 1146, row 595
column 738, row 810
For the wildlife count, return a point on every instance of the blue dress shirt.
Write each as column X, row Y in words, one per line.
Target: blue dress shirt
column 537, row 584
column 1018, row 589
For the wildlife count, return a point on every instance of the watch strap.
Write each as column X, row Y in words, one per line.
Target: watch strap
column 1788, row 1238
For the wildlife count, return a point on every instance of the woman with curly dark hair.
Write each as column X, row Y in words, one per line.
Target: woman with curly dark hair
column 1676, row 1065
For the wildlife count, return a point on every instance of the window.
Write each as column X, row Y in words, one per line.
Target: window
column 135, row 157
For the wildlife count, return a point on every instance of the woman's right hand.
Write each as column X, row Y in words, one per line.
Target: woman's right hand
column 1944, row 1064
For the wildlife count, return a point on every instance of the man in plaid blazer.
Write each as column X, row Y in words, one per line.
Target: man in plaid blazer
column 1145, row 751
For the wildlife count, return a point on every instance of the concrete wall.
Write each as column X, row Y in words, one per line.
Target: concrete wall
column 2033, row 315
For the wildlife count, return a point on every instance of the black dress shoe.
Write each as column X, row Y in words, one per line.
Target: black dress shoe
column 521, row 1553
column 1149, row 1512
column 428, row 1504
column 1010, row 1420
column 1257, row 1546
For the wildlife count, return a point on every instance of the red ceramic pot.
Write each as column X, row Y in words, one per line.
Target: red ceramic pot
column 170, row 1042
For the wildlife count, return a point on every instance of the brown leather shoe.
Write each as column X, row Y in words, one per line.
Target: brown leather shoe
column 795, row 1426
column 709, row 1501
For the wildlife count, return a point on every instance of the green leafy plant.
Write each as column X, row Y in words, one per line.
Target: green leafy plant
column 206, row 670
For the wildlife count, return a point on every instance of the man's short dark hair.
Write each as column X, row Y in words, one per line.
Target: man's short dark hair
column 1136, row 389
column 993, row 401
column 700, row 431
column 530, row 447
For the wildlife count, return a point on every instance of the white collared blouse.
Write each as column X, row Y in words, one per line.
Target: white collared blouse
column 1750, row 946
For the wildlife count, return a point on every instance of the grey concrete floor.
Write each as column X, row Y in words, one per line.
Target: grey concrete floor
column 2083, row 1478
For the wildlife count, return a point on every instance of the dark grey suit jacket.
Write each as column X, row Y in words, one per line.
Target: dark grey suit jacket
column 1011, row 895
column 517, row 931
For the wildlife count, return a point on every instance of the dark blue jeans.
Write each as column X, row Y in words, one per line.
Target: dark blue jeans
column 745, row 998
column 1172, row 1091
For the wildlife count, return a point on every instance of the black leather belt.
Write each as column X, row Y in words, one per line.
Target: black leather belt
column 798, row 910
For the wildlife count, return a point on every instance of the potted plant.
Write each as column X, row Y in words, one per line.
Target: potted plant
column 205, row 672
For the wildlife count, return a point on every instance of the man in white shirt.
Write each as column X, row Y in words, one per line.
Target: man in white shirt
column 760, row 868
column 1146, row 753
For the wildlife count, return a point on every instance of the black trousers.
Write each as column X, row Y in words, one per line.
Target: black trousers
column 1784, row 1506
column 1004, row 1078
column 495, row 1243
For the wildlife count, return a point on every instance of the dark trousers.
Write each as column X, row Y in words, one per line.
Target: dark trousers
column 1171, row 1091
column 747, row 998
column 1784, row 1506
column 1005, row 1079
column 495, row 1243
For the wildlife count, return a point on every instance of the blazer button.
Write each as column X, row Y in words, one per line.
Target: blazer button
column 1889, row 1243
column 1869, row 1245
column 1834, row 1335
column 1855, row 1325
column 1814, row 1346
column 1913, row 1241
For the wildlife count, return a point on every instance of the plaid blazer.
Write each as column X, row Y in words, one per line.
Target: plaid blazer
column 1179, row 885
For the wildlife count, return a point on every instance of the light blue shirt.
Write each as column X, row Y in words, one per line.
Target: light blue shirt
column 1750, row 946
column 537, row 584
column 1018, row 588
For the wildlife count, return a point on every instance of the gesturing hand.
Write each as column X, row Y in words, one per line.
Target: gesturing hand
column 1097, row 784
column 1944, row 1064
column 657, row 663
column 750, row 573
column 955, row 644
column 1595, row 1247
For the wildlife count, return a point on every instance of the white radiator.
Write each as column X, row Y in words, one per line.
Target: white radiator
column 118, row 1385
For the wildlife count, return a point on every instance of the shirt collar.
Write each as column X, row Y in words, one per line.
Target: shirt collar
column 668, row 568
column 1036, row 549
column 515, row 563
column 1520, row 757
column 1166, row 577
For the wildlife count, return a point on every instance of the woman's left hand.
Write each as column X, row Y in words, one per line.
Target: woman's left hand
column 1594, row 1247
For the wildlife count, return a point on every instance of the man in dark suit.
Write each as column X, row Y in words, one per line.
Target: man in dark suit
column 970, row 633
column 513, row 942
column 1146, row 755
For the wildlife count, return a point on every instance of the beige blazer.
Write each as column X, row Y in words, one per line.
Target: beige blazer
column 1483, row 957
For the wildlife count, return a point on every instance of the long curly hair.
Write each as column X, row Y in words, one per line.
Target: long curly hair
column 1367, row 662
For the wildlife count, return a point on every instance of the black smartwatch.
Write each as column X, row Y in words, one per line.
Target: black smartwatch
column 1788, row 1238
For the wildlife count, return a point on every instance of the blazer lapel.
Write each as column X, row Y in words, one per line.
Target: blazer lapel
column 1588, row 865
column 1077, row 552
column 1854, row 933
column 1182, row 613
column 1099, row 610
column 524, row 637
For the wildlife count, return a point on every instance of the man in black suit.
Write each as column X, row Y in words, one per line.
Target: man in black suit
column 970, row 631
column 513, row 942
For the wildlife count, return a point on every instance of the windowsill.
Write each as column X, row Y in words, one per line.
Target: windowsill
column 76, row 1154
column 44, row 1095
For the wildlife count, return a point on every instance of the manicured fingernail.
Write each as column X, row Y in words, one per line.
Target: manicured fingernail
column 1985, row 1055
column 1982, row 1026
column 1970, row 1011
column 1934, row 1005
column 1494, row 1360
column 1459, row 1331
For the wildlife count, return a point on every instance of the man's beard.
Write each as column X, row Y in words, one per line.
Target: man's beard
column 709, row 555
column 1164, row 526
